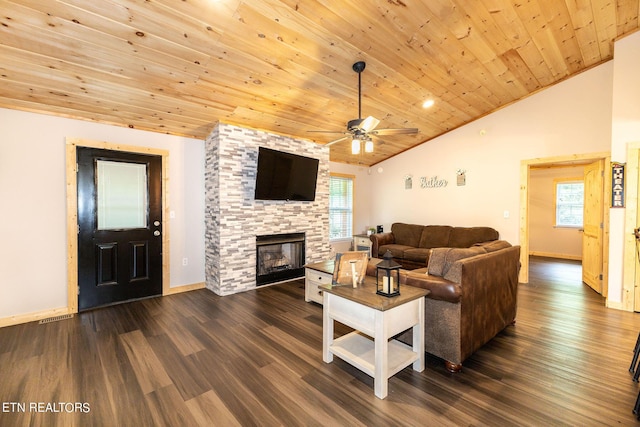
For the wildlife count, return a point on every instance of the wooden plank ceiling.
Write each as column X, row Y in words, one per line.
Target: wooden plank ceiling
column 284, row 66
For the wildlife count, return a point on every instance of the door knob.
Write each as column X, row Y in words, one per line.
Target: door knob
column 156, row 233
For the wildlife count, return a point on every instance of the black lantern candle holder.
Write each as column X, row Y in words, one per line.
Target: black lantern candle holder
column 388, row 276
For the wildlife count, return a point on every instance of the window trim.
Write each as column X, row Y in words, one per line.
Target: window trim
column 353, row 204
column 567, row 180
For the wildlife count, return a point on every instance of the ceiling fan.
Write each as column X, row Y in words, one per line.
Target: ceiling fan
column 361, row 131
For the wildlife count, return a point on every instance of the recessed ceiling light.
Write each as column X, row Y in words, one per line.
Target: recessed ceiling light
column 428, row 103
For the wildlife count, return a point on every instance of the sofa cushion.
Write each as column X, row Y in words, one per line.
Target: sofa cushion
column 406, row 234
column 494, row 245
column 464, row 237
column 442, row 259
column 417, row 254
column 396, row 250
column 435, row 236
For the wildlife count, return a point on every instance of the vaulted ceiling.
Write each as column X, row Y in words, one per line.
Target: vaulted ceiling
column 285, row 66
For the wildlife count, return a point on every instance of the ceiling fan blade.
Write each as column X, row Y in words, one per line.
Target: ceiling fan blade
column 397, row 131
column 369, row 124
column 328, row 131
column 335, row 140
column 362, row 125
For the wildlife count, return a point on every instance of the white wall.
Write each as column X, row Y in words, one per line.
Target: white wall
column 545, row 238
column 625, row 120
column 571, row 117
column 33, row 256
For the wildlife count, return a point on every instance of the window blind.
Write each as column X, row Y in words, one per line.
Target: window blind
column 340, row 207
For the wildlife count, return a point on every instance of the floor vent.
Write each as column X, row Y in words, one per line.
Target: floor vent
column 55, row 319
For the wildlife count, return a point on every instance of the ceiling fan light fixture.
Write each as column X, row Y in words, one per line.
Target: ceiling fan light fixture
column 355, row 146
column 360, row 130
column 368, row 146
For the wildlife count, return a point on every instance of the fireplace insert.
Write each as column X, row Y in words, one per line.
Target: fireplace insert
column 279, row 257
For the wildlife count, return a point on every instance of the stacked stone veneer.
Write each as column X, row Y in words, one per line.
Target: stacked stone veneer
column 233, row 218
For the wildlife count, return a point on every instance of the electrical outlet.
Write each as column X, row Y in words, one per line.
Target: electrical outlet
column 185, row 261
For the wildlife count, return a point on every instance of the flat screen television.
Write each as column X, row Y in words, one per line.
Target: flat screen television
column 285, row 176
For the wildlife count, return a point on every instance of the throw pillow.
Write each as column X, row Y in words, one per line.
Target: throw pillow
column 437, row 257
column 456, row 254
column 455, row 273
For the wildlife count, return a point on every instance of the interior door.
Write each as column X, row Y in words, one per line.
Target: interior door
column 120, row 226
column 592, row 238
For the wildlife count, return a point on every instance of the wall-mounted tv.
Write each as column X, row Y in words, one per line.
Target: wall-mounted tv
column 285, row 176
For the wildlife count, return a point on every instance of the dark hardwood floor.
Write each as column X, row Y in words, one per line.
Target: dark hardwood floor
column 255, row 359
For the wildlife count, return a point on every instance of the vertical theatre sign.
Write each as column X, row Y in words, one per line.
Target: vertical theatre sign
column 617, row 185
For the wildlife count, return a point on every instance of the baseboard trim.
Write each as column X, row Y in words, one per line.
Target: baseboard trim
column 554, row 255
column 33, row 317
column 45, row 314
column 615, row 305
column 185, row 288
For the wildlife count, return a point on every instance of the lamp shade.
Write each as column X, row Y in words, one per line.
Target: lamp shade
column 368, row 146
column 355, row 146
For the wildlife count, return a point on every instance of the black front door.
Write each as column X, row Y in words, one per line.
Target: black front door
column 120, row 226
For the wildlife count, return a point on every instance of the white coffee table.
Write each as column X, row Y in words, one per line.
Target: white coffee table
column 375, row 319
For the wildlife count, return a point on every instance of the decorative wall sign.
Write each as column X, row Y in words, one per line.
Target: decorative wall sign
column 408, row 182
column 617, row 185
column 433, row 182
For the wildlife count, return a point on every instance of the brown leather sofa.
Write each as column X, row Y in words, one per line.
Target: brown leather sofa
column 473, row 297
column 411, row 244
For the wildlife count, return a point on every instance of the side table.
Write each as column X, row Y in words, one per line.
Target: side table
column 362, row 242
column 375, row 319
column 316, row 275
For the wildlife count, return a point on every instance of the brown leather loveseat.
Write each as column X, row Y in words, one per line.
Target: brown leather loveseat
column 473, row 297
column 411, row 244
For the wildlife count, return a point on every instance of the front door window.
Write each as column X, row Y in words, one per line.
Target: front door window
column 122, row 195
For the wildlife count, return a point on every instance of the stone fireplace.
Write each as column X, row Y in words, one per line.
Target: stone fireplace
column 234, row 219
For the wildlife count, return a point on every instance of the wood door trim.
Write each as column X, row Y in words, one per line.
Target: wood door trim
column 630, row 292
column 72, row 211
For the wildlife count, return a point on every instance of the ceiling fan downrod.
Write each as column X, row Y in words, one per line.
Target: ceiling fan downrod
column 358, row 67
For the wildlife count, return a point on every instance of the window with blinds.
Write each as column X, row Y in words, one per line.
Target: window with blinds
column 569, row 203
column 340, row 207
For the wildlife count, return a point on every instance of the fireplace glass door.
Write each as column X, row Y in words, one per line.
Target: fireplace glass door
column 279, row 257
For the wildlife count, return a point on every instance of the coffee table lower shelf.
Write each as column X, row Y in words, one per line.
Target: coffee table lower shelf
column 359, row 350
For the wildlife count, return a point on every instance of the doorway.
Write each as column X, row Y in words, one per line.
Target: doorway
column 526, row 166
column 116, row 228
